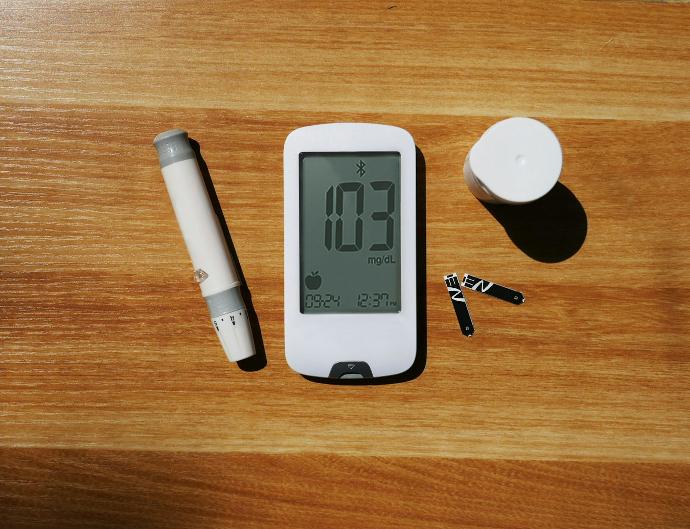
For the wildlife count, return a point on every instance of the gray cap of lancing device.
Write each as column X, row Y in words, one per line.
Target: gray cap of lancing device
column 173, row 146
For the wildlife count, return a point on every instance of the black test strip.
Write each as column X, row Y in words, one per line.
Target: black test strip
column 459, row 304
column 492, row 289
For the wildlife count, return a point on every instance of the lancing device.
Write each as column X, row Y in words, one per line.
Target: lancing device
column 214, row 269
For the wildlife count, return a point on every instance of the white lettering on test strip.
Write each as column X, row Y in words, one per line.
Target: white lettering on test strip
column 456, row 294
column 479, row 285
column 453, row 286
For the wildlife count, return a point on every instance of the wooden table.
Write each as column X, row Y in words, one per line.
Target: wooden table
column 117, row 406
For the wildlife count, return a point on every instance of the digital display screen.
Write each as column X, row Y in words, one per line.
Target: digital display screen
column 349, row 232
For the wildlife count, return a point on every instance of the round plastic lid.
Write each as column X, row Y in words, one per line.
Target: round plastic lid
column 518, row 160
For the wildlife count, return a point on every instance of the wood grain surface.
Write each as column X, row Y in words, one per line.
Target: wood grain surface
column 87, row 488
column 117, row 405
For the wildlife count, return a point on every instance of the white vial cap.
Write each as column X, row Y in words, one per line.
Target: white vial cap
column 516, row 161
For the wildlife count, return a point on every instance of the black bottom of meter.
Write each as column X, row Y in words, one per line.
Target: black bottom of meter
column 352, row 370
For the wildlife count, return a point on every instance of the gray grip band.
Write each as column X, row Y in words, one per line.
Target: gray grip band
column 224, row 302
column 173, row 146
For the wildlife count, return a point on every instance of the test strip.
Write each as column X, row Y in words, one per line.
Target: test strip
column 492, row 289
column 459, row 304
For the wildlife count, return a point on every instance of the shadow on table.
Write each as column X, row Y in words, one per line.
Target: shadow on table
column 258, row 361
column 420, row 360
column 551, row 229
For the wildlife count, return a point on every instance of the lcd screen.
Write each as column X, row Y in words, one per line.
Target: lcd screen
column 349, row 232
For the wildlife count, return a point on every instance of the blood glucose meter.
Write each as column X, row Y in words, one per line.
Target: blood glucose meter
column 350, row 250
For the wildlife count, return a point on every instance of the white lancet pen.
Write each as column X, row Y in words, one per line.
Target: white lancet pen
column 214, row 269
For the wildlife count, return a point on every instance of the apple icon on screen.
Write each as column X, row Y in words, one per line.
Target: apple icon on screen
column 313, row 281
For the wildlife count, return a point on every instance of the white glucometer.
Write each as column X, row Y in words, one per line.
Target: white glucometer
column 350, row 250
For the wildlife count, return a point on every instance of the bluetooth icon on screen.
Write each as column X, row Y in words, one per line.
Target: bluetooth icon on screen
column 360, row 168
